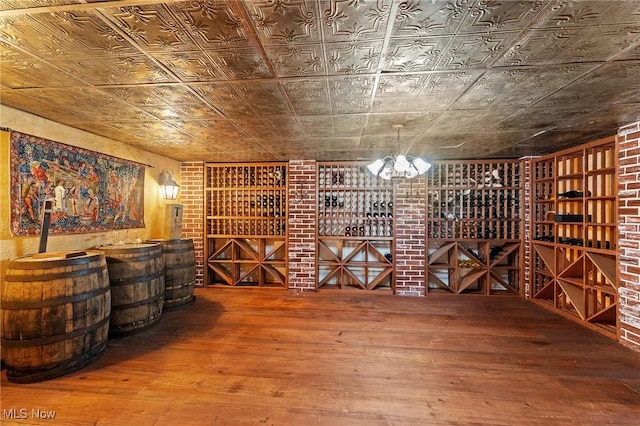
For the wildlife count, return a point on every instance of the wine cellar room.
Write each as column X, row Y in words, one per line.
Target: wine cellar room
column 212, row 189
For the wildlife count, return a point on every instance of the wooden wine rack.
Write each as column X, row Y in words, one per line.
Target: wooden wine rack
column 355, row 228
column 474, row 227
column 574, row 234
column 246, row 213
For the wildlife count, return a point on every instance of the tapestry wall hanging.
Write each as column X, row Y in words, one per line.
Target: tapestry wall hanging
column 90, row 191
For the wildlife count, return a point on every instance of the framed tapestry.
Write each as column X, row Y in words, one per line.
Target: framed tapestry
column 89, row 191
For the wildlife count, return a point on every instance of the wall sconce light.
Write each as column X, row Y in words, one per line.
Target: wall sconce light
column 168, row 187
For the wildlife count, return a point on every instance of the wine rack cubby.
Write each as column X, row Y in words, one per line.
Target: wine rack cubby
column 474, row 267
column 355, row 228
column 574, row 233
column 474, row 227
column 246, row 216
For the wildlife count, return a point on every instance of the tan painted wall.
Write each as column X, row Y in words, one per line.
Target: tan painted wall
column 154, row 206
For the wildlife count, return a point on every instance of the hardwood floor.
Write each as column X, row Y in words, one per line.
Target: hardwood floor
column 272, row 357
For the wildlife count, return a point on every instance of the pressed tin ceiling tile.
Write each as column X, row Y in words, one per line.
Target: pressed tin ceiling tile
column 191, row 66
column 241, row 63
column 334, row 143
column 414, row 54
column 488, row 16
column 21, row 70
column 415, row 122
column 330, row 126
column 353, row 57
column 297, row 60
column 348, row 20
column 308, row 96
column 24, row 4
column 150, row 95
column 215, row 132
column 270, row 129
column 600, row 43
column 25, row 33
column 566, row 14
column 264, row 98
column 474, row 120
column 421, row 19
column 85, row 34
column 606, row 85
column 174, row 112
column 225, row 97
column 538, row 118
column 27, row 100
column 539, row 47
column 616, row 115
column 286, row 23
column 325, row 79
column 519, row 87
column 154, row 27
column 116, row 70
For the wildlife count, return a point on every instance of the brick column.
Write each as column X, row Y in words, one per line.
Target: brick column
column 303, row 205
column 410, row 237
column 192, row 200
column 629, row 230
column 526, row 178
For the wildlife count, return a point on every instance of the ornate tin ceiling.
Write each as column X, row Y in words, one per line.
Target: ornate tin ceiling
column 259, row 80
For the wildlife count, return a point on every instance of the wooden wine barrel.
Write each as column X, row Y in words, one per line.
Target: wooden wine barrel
column 55, row 313
column 179, row 272
column 136, row 274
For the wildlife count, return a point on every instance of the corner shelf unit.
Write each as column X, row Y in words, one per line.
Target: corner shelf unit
column 355, row 228
column 245, row 224
column 574, row 234
column 474, row 227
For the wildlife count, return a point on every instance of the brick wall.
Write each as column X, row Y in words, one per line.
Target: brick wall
column 629, row 230
column 410, row 251
column 192, row 199
column 303, row 204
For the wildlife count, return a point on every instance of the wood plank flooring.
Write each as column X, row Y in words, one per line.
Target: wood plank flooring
column 272, row 357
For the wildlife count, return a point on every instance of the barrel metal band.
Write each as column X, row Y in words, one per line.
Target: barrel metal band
column 149, row 256
column 181, row 266
column 56, row 276
column 138, row 279
column 36, row 304
column 73, row 364
column 178, row 250
column 138, row 303
column 55, row 338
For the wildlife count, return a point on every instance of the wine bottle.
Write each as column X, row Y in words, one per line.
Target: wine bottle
column 573, row 194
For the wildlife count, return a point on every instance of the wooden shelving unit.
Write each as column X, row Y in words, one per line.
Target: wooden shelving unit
column 246, row 214
column 355, row 228
column 474, row 227
column 574, row 229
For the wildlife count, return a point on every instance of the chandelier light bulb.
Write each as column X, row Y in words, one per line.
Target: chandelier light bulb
column 376, row 166
column 401, row 164
column 421, row 165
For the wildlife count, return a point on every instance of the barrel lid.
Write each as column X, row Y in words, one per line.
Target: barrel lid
column 55, row 258
column 58, row 255
column 127, row 246
column 163, row 240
